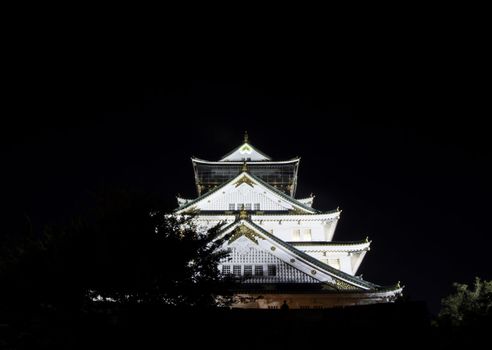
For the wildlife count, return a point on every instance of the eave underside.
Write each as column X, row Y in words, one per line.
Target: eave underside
column 310, row 288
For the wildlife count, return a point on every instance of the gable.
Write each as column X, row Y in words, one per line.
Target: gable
column 249, row 190
column 244, row 194
column 245, row 152
column 249, row 242
column 244, row 252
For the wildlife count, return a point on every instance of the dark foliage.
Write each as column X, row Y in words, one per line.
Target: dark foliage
column 126, row 250
column 465, row 318
column 147, row 326
column 468, row 305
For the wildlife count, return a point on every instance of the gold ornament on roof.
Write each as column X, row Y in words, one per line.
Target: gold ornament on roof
column 342, row 285
column 245, row 231
column 244, row 180
column 193, row 210
column 243, row 214
column 296, row 210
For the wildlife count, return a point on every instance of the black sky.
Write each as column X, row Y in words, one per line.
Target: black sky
column 407, row 161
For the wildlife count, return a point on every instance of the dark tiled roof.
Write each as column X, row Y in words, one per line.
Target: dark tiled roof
column 306, row 243
column 236, row 163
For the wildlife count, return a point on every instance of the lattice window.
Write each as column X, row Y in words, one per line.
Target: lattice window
column 248, row 270
column 236, row 270
column 231, row 206
column 248, row 206
column 272, row 270
column 306, row 234
column 284, row 273
column 226, row 269
column 257, row 206
column 296, row 235
column 259, row 270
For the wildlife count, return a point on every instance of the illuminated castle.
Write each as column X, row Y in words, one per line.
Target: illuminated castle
column 282, row 249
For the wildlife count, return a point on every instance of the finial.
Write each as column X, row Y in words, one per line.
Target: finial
column 367, row 239
column 245, row 167
column 398, row 284
column 246, row 138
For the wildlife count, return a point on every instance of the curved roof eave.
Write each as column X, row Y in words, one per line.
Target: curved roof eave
column 203, row 161
column 360, row 283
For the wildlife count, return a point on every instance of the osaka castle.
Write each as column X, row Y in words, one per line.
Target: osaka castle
column 281, row 248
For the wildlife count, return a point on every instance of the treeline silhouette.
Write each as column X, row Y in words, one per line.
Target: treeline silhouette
column 156, row 280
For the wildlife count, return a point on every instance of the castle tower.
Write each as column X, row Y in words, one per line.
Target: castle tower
column 282, row 249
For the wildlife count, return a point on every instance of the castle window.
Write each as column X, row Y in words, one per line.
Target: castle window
column 236, row 270
column 296, row 235
column 226, row 269
column 248, row 270
column 259, row 270
column 257, row 206
column 231, row 206
column 272, row 270
column 334, row 263
column 306, row 234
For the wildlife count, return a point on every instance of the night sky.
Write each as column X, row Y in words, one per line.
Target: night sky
column 409, row 164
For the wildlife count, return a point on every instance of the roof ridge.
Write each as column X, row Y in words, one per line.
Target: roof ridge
column 205, row 195
column 249, row 161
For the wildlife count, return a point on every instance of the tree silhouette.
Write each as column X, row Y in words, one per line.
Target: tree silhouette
column 125, row 250
column 467, row 306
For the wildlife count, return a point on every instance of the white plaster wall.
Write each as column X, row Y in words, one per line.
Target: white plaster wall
column 284, row 229
column 244, row 193
column 280, row 228
column 343, row 257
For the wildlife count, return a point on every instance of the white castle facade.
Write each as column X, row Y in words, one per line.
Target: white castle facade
column 282, row 249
